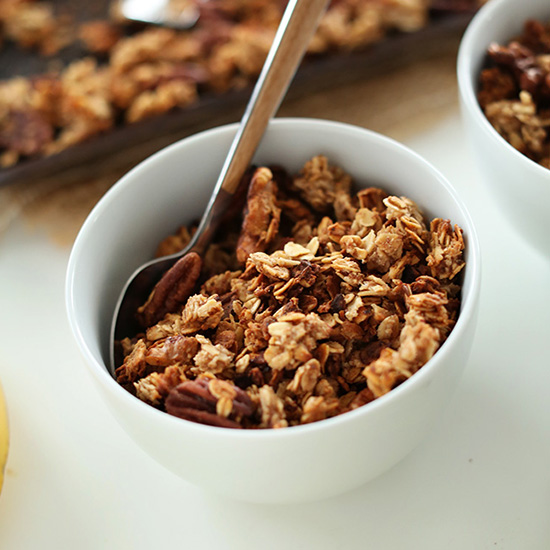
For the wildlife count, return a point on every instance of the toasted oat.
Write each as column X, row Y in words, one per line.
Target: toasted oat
column 272, row 409
column 305, row 378
column 418, row 344
column 319, row 183
column 318, row 408
column 155, row 387
column 293, row 340
column 201, row 313
column 445, row 249
column 213, row 359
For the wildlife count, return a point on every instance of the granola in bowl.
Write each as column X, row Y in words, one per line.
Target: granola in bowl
column 316, row 301
column 514, row 90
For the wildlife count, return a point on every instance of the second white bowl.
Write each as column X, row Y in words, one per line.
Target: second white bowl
column 518, row 185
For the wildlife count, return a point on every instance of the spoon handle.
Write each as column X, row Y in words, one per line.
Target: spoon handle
column 289, row 45
column 294, row 34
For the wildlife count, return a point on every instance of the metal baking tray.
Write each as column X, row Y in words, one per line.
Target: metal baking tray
column 126, row 145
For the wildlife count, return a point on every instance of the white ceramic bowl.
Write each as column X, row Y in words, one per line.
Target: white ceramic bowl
column 294, row 464
column 519, row 186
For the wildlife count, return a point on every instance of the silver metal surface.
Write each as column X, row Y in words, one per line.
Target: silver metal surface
column 159, row 12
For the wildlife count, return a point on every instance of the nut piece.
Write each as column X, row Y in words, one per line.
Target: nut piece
column 198, row 402
column 134, row 366
column 261, row 217
column 172, row 290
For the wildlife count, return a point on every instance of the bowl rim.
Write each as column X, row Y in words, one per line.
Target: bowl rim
column 481, row 24
column 100, row 373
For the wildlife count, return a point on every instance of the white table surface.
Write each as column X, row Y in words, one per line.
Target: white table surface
column 481, row 480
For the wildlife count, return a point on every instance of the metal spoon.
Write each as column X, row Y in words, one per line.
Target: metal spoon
column 159, row 12
column 293, row 36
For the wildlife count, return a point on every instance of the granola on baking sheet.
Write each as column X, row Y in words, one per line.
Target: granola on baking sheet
column 131, row 75
column 514, row 91
column 325, row 300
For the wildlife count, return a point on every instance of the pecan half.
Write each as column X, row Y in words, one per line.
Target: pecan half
column 261, row 217
column 198, row 401
column 175, row 286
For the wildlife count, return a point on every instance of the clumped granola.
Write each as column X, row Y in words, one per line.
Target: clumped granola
column 131, row 75
column 286, row 332
column 514, row 91
column 34, row 25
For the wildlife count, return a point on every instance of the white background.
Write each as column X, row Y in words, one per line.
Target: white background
column 481, row 480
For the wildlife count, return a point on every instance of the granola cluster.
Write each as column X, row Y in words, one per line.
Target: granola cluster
column 34, row 25
column 514, row 91
column 132, row 74
column 318, row 301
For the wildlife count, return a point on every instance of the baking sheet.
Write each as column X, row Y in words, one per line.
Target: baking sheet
column 126, row 145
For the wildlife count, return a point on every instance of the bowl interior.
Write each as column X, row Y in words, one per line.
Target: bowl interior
column 172, row 187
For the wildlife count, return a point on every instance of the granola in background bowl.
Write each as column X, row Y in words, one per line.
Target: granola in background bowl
column 321, row 300
column 514, row 90
column 503, row 80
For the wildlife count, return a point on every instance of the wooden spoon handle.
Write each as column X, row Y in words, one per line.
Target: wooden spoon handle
column 295, row 31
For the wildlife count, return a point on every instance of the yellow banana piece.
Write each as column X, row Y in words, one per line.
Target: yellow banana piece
column 4, row 437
